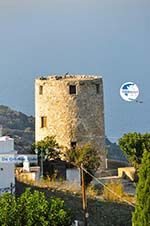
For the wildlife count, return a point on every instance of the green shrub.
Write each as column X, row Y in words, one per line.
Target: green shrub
column 58, row 215
column 8, row 210
column 32, row 209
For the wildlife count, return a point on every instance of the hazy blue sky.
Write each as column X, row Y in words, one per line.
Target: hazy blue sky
column 109, row 37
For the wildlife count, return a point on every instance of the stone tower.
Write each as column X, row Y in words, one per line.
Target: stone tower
column 71, row 108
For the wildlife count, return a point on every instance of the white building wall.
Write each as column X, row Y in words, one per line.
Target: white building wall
column 7, row 174
column 7, row 170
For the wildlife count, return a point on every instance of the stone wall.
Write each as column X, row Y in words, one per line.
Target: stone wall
column 71, row 117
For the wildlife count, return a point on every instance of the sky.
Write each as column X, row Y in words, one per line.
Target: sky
column 110, row 38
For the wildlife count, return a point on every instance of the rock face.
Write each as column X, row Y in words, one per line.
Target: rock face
column 72, row 109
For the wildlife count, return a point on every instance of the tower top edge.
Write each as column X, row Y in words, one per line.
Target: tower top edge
column 69, row 77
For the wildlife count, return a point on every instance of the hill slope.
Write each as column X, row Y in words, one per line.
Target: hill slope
column 18, row 126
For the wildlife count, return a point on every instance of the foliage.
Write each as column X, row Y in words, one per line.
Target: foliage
column 141, row 215
column 8, row 210
column 86, row 155
column 48, row 147
column 133, row 145
column 32, row 209
column 59, row 216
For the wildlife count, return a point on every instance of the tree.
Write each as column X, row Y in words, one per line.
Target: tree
column 133, row 145
column 48, row 147
column 141, row 216
column 86, row 155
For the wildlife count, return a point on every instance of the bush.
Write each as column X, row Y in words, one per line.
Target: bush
column 32, row 209
column 58, row 215
column 8, row 210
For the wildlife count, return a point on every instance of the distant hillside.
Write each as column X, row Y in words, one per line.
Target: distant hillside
column 18, row 126
column 114, row 152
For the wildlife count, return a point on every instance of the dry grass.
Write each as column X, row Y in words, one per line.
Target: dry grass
column 117, row 188
column 92, row 191
column 61, row 185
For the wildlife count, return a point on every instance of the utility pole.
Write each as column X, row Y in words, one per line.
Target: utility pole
column 84, row 200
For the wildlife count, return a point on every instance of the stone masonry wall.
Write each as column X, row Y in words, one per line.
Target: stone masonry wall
column 71, row 117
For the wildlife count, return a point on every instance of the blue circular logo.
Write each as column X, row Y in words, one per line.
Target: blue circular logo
column 129, row 91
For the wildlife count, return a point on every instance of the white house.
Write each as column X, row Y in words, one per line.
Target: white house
column 7, row 168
